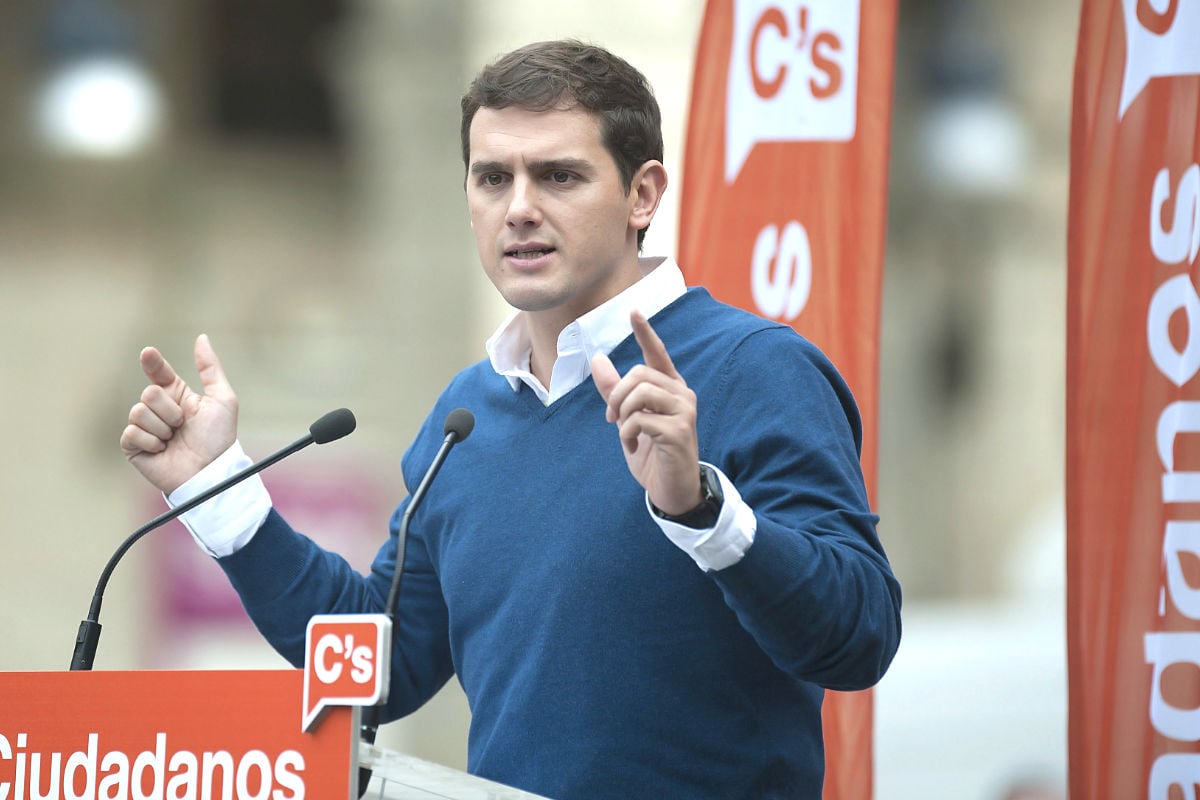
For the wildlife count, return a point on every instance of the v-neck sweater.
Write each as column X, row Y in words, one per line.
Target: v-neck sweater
column 598, row 661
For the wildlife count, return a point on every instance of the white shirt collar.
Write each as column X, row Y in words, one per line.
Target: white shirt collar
column 598, row 331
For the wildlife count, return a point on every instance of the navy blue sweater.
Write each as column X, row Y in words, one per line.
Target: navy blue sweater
column 599, row 661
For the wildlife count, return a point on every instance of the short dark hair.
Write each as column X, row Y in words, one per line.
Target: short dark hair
column 546, row 75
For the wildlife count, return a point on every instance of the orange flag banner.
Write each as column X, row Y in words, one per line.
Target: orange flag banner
column 1133, row 402
column 783, row 213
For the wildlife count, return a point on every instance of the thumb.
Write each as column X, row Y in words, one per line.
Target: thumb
column 212, row 375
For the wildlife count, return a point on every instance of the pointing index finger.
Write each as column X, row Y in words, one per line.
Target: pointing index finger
column 654, row 352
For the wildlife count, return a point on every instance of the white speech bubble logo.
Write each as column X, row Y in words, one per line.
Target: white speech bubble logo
column 1162, row 39
column 793, row 75
column 346, row 662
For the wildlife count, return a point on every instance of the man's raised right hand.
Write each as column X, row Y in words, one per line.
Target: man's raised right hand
column 173, row 431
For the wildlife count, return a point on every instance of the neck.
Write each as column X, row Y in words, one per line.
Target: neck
column 546, row 325
column 542, row 356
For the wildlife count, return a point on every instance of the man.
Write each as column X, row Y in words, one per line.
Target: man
column 655, row 551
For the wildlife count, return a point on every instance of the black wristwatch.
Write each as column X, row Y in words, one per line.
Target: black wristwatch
column 704, row 515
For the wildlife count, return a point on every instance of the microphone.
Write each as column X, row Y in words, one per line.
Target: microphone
column 458, row 426
column 328, row 428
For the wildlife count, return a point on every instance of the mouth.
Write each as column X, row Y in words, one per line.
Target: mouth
column 528, row 252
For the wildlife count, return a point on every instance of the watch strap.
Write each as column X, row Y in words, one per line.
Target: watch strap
column 706, row 514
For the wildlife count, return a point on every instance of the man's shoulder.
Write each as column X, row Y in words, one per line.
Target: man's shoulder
column 472, row 388
column 479, row 372
column 724, row 339
column 700, row 317
column 474, row 384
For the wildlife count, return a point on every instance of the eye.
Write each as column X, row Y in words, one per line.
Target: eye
column 560, row 176
column 492, row 179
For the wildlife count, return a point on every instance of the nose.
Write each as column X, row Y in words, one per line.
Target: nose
column 523, row 206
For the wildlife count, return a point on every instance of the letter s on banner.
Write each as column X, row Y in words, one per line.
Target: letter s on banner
column 1182, row 241
column 781, row 271
column 347, row 662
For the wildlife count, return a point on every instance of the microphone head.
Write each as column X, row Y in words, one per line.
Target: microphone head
column 460, row 422
column 332, row 426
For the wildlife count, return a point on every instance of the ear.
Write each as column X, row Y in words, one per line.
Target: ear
column 645, row 192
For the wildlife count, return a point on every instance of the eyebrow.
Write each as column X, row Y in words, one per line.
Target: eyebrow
column 580, row 165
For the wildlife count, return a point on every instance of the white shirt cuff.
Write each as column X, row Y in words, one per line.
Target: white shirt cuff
column 224, row 524
column 722, row 545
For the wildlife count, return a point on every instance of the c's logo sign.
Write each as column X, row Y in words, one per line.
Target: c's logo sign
column 823, row 48
column 333, row 653
column 346, row 662
column 793, row 75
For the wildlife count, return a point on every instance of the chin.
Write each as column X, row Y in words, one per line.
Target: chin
column 530, row 303
column 529, row 298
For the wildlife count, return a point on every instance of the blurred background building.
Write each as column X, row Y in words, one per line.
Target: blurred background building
column 286, row 177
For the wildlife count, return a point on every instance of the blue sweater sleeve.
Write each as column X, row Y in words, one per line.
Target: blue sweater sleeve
column 284, row 578
column 815, row 590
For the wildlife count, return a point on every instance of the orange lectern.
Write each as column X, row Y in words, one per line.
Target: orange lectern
column 169, row 734
column 197, row 735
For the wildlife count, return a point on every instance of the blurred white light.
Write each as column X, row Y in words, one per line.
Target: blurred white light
column 102, row 107
column 975, row 145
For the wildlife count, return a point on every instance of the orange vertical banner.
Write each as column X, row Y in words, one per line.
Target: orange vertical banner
column 1133, row 402
column 783, row 213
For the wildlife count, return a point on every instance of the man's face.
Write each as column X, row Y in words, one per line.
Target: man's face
column 553, row 221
